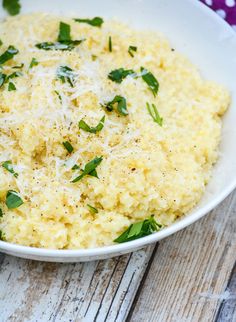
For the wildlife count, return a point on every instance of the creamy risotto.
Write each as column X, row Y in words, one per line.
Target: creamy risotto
column 101, row 127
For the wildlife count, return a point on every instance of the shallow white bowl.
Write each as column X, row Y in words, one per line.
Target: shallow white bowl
column 210, row 43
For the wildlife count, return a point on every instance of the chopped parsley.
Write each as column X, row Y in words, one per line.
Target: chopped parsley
column 110, row 44
column 64, row 41
column 95, row 22
column 92, row 209
column 1, row 235
column 9, row 167
column 152, row 110
column 13, row 200
column 33, row 63
column 66, row 74
column 18, row 66
column 58, row 95
column 75, row 167
column 139, row 229
column 68, row 146
column 64, row 32
column 89, row 169
column 1, row 43
column 131, row 50
column 121, row 105
column 8, row 54
column 1, row 213
column 11, row 6
column 3, row 78
column 118, row 75
column 84, row 126
column 11, row 87
column 151, row 81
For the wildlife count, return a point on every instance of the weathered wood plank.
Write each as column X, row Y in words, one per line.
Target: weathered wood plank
column 188, row 277
column 35, row 291
column 227, row 311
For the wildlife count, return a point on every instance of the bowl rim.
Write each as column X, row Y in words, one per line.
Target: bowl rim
column 115, row 249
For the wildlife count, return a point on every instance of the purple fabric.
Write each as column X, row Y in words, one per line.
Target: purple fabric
column 225, row 8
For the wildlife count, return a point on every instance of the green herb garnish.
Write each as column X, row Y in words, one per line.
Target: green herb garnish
column 118, row 75
column 110, row 44
column 1, row 235
column 84, row 126
column 64, row 41
column 3, row 78
column 11, row 87
column 1, row 213
column 131, row 50
column 1, row 43
column 18, row 66
column 121, row 105
column 152, row 110
column 65, row 73
column 8, row 54
column 139, row 229
column 13, row 200
column 95, row 22
column 33, row 63
column 92, row 209
column 75, row 167
column 68, row 146
column 151, row 81
column 9, row 167
column 11, row 6
column 58, row 95
column 64, row 32
column 89, row 169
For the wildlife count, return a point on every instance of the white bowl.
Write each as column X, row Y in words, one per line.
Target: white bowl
column 210, row 43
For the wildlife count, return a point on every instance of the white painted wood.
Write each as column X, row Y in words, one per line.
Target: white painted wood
column 35, row 291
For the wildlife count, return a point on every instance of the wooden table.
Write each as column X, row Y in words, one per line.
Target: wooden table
column 190, row 276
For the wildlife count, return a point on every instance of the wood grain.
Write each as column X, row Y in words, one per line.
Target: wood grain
column 188, row 277
column 96, row 291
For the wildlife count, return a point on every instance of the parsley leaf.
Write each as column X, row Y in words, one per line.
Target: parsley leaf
column 139, row 229
column 75, row 167
column 64, row 41
column 84, row 126
column 65, row 73
column 18, row 66
column 11, row 87
column 8, row 54
column 92, row 209
column 89, row 169
column 68, row 146
column 121, row 105
column 12, row 6
column 118, row 75
column 152, row 110
column 3, row 78
column 95, row 22
column 131, row 50
column 151, row 81
column 13, row 200
column 64, row 32
column 33, row 63
column 9, row 167
column 1, row 213
column 1, row 235
column 110, row 44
